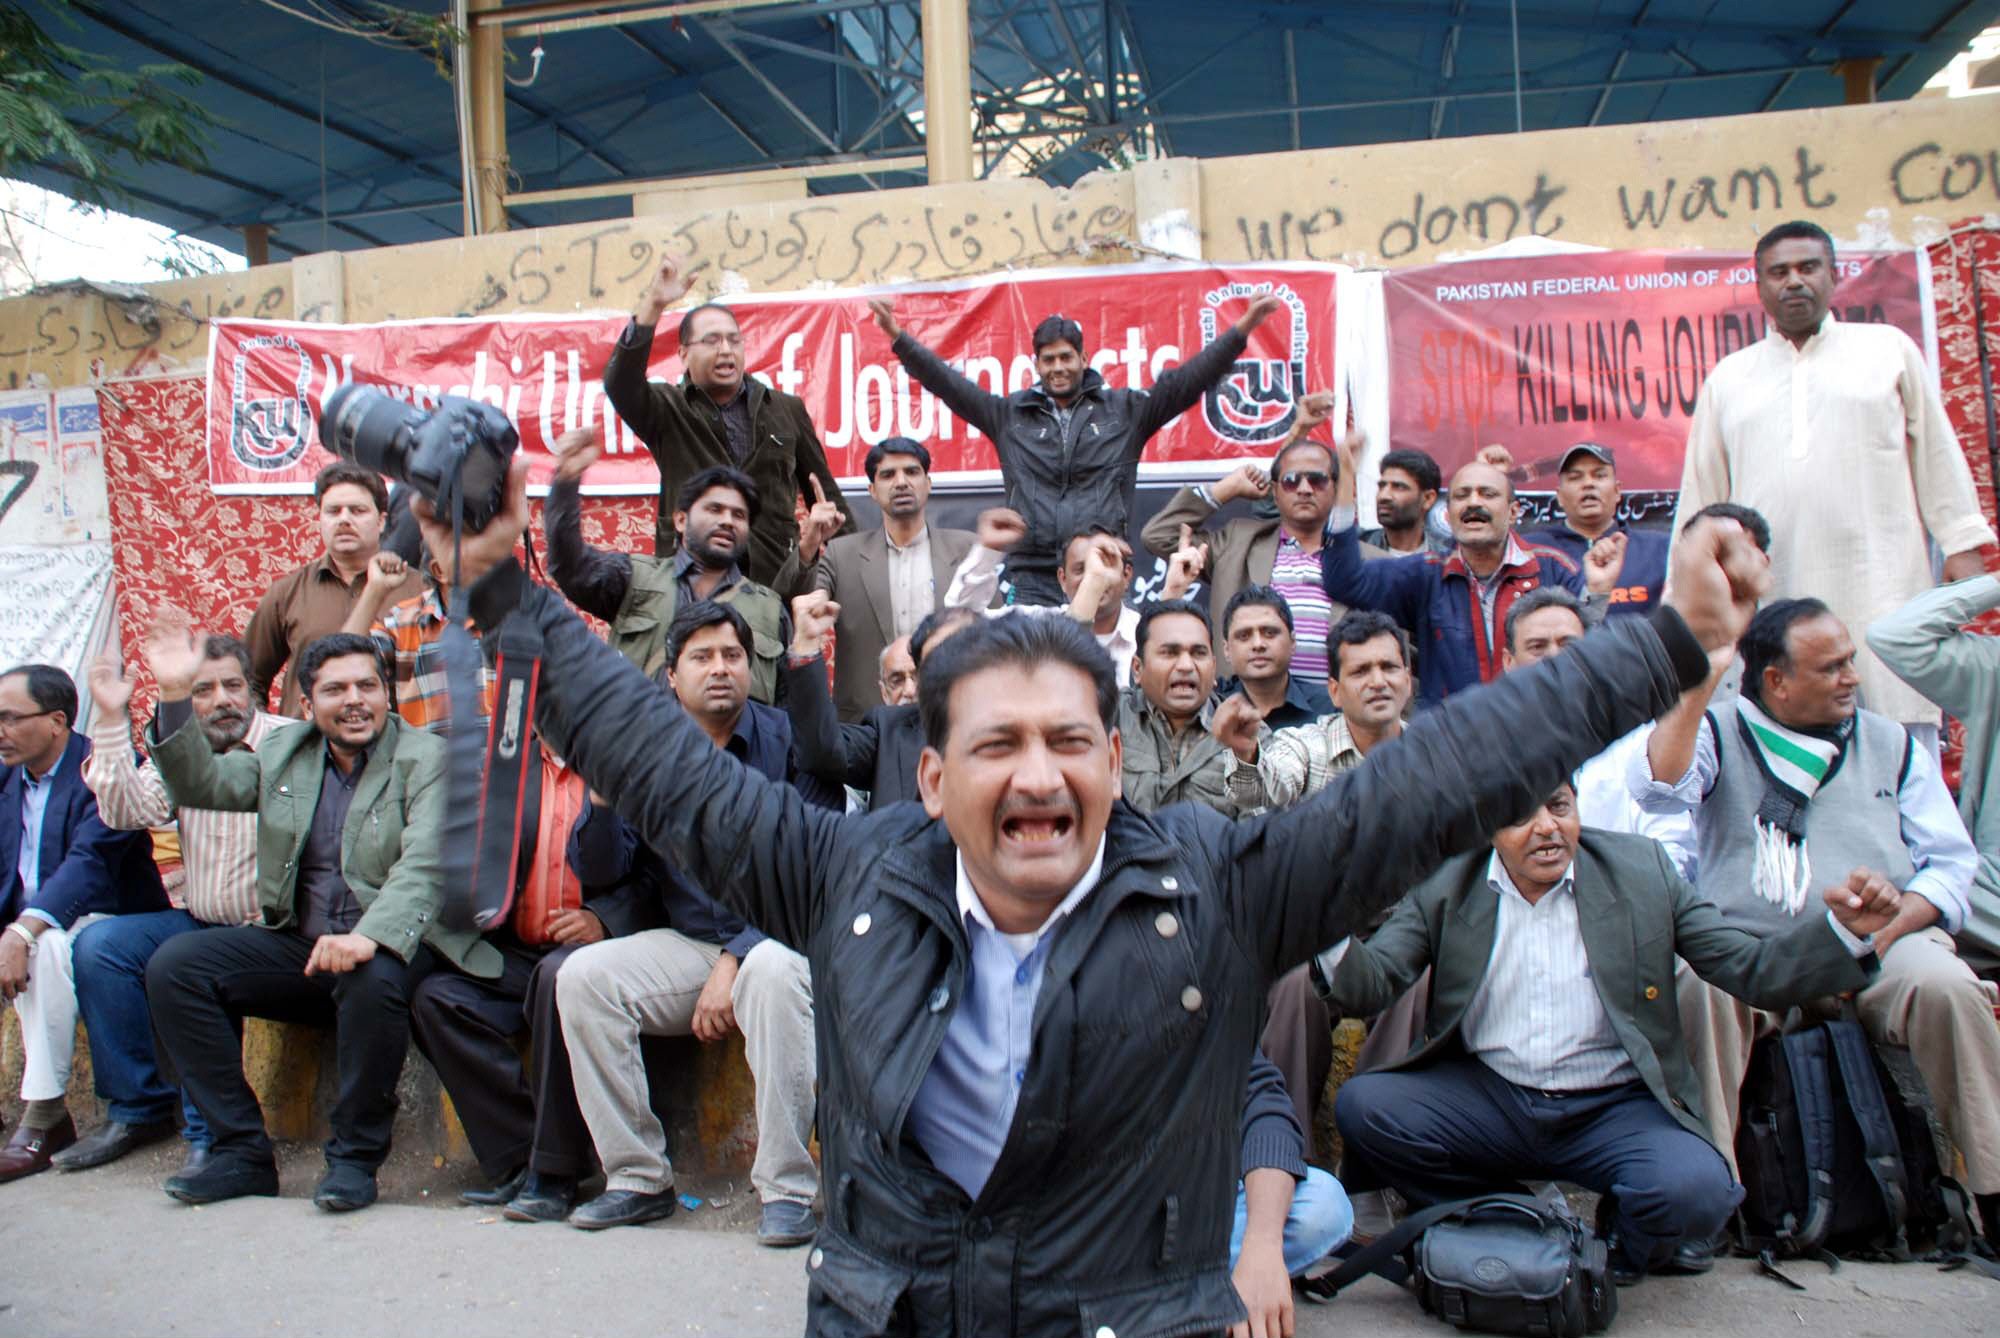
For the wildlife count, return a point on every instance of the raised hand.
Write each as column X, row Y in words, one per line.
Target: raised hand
column 386, row 574
column 1498, row 456
column 1604, row 563
column 1263, row 307
column 1346, row 455
column 821, row 523
column 884, row 311
column 1716, row 578
column 1865, row 904
column 1312, row 410
column 110, row 690
column 1246, row 480
column 814, row 616
column 1186, row 565
column 480, row 553
column 172, row 649
column 670, row 284
column 577, row 450
column 1000, row 529
column 1236, row 725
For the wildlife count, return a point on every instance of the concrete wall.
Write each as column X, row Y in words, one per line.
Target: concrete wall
column 1892, row 171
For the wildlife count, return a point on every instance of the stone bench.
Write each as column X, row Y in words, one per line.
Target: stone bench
column 705, row 1093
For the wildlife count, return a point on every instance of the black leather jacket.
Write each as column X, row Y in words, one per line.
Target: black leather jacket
column 1111, row 1203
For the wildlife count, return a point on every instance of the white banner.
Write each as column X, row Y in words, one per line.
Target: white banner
column 57, row 608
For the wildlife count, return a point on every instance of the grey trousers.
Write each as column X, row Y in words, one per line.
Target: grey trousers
column 610, row 994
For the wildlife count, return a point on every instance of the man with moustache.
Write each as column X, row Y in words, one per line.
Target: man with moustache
column 896, row 670
column 1073, row 1172
column 1170, row 757
column 1587, row 489
column 217, row 886
column 1069, row 446
column 884, row 579
column 1407, row 486
column 350, row 809
column 718, row 417
column 1096, row 573
column 714, row 514
column 1281, row 553
column 1552, row 1050
column 1835, row 432
column 315, row 600
column 1454, row 607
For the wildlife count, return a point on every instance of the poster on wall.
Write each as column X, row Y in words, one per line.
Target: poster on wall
column 1540, row 353
column 268, row 379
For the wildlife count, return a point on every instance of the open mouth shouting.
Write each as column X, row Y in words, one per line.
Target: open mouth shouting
column 1030, row 829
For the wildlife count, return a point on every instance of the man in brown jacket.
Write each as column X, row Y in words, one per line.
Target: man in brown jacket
column 717, row 415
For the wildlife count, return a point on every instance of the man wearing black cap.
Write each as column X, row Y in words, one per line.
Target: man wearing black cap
column 1069, row 447
column 1587, row 490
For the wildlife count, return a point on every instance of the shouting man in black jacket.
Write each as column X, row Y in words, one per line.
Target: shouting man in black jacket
column 1039, row 1005
column 1069, row 447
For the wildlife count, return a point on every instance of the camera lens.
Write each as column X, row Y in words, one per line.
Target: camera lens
column 362, row 424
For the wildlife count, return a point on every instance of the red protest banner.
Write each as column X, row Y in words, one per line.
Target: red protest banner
column 1540, row 353
column 267, row 379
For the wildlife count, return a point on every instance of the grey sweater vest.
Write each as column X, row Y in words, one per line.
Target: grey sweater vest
column 1855, row 821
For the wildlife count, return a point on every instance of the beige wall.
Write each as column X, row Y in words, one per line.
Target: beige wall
column 1894, row 171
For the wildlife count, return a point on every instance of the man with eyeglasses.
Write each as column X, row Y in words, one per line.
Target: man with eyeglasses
column 717, row 416
column 1280, row 551
column 61, row 868
column 1069, row 446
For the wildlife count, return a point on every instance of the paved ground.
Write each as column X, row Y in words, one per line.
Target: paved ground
column 105, row 1253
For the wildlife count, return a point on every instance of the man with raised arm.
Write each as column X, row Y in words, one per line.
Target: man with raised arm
column 1040, row 1004
column 1069, row 446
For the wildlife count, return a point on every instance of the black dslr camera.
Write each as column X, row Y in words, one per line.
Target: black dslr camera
column 456, row 453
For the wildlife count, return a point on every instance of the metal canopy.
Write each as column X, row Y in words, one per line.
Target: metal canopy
column 338, row 141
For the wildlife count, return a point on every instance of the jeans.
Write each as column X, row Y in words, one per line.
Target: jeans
column 110, row 959
column 1320, row 1221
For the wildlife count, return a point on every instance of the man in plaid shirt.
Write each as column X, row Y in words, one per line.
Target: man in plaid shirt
column 411, row 637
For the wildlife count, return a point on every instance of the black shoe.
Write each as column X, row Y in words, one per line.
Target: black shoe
column 1693, row 1257
column 623, row 1207
column 495, row 1196
column 223, row 1177
column 542, row 1198
column 110, row 1141
column 1624, row 1272
column 197, row 1158
column 345, row 1188
column 786, row 1222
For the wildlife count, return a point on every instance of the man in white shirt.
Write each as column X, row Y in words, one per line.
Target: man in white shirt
column 1836, row 433
column 1096, row 572
column 1553, row 1048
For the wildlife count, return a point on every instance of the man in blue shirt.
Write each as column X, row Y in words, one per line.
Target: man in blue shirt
column 707, row 975
column 1587, row 489
column 60, row 868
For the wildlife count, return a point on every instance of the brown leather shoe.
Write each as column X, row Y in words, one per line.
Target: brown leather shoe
column 29, row 1150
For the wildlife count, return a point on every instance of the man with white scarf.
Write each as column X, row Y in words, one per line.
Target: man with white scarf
column 1792, row 786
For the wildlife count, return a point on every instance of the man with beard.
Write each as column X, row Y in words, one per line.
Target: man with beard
column 885, row 579
column 706, row 974
column 1835, row 431
column 314, row 600
column 1069, row 446
column 717, row 417
column 1587, row 489
column 217, row 885
column 1552, row 1050
column 638, row 595
column 1279, row 552
column 1170, row 757
column 1096, row 573
column 896, row 670
column 1075, row 1170
column 350, row 810
column 1453, row 607
column 1407, row 484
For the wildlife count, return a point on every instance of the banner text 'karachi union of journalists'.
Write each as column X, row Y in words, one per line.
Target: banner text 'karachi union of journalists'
column 267, row 379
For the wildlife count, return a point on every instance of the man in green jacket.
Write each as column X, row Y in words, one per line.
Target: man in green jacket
column 1923, row 642
column 350, row 808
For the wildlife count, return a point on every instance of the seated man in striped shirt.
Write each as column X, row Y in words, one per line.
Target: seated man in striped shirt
column 1553, row 1047
column 218, row 886
column 411, row 634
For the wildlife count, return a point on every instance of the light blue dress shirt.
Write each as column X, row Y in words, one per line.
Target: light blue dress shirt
column 34, row 803
column 965, row 1104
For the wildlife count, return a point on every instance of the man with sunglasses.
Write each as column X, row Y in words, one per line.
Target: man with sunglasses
column 1280, row 551
column 1069, row 446
column 717, row 415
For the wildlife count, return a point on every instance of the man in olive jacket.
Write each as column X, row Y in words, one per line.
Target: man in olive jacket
column 1075, row 1173
column 1552, row 1049
column 350, row 807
